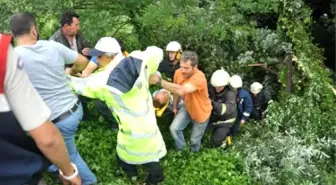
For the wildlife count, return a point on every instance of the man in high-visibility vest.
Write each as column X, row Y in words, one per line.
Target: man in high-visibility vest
column 94, row 65
column 113, row 55
column 126, row 93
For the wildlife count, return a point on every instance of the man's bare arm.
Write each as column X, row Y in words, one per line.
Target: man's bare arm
column 50, row 141
column 175, row 101
column 178, row 89
column 90, row 68
column 79, row 65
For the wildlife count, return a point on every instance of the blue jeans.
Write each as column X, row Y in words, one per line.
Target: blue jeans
column 68, row 128
column 180, row 122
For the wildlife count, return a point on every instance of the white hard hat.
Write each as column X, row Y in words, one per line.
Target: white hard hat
column 173, row 46
column 152, row 56
column 236, row 81
column 220, row 78
column 105, row 45
column 256, row 87
column 149, row 52
column 137, row 54
column 154, row 52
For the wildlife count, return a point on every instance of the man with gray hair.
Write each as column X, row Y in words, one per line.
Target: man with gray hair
column 44, row 63
column 108, row 51
column 190, row 84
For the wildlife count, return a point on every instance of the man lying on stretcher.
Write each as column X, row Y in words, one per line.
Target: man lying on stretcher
column 162, row 100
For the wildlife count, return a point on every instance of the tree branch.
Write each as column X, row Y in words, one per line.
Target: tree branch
column 119, row 28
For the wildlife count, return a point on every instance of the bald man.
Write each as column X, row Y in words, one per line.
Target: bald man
column 163, row 99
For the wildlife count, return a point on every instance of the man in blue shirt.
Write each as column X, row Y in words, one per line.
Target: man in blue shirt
column 107, row 63
column 244, row 103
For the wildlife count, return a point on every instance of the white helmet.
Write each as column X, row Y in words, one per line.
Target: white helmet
column 220, row 78
column 137, row 54
column 174, row 46
column 256, row 87
column 236, row 81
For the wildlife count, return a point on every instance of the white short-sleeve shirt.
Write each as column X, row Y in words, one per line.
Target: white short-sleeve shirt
column 23, row 100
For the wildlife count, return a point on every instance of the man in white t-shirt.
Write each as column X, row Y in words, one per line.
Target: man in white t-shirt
column 44, row 62
column 22, row 157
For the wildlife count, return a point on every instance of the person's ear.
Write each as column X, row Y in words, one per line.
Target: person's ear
column 33, row 30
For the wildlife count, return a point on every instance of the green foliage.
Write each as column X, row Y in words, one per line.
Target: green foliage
column 96, row 143
column 209, row 167
column 281, row 158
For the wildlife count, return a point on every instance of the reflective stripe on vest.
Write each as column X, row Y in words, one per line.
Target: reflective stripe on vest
column 142, row 135
column 123, row 108
column 139, row 154
column 232, row 120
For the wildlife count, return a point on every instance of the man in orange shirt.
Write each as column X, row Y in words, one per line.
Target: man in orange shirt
column 190, row 84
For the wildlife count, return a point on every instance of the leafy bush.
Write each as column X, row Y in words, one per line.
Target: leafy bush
column 281, row 158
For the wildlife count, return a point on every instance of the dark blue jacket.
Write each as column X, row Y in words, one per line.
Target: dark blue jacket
column 260, row 104
column 245, row 104
column 21, row 161
column 124, row 75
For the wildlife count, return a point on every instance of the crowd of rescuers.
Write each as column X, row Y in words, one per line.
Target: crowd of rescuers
column 119, row 83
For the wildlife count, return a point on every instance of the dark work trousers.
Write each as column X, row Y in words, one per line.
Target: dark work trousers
column 219, row 133
column 35, row 179
column 235, row 127
column 106, row 113
column 155, row 172
column 21, row 162
column 86, row 113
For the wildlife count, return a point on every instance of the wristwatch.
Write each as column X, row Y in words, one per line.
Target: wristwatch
column 71, row 176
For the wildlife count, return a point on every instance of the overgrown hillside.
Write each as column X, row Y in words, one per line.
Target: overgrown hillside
column 295, row 144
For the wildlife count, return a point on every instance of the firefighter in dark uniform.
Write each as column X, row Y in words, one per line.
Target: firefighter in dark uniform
column 224, row 112
column 168, row 67
column 261, row 98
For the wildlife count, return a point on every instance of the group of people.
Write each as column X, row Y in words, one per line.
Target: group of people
column 44, row 86
column 221, row 105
